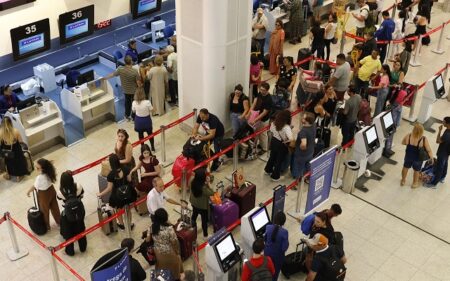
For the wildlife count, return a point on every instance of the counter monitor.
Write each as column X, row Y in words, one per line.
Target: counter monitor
column 371, row 139
column 140, row 8
column 76, row 24
column 258, row 222
column 30, row 39
column 227, row 252
column 85, row 77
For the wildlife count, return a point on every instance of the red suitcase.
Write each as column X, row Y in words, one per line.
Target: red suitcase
column 244, row 197
column 186, row 236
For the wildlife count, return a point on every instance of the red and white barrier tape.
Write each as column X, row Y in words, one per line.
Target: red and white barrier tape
column 2, row 220
column 70, row 269
column 28, row 233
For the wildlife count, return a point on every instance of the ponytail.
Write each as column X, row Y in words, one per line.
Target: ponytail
column 275, row 233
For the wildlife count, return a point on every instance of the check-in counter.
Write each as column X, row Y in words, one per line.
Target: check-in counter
column 40, row 125
column 92, row 103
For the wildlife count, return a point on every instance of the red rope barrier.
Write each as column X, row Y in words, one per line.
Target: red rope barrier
column 197, row 262
column 2, row 220
column 63, row 263
column 28, row 233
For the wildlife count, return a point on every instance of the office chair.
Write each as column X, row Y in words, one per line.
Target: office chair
column 168, row 31
column 117, row 56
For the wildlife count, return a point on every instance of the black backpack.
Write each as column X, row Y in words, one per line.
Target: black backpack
column 74, row 209
column 370, row 21
column 333, row 267
column 261, row 273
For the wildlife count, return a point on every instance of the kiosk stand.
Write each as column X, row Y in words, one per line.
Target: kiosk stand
column 253, row 225
column 434, row 90
column 384, row 123
column 223, row 258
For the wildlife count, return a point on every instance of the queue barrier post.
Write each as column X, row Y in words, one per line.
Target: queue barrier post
column 439, row 49
column 127, row 220
column 163, row 145
column 184, row 185
column 300, row 186
column 194, row 256
column 337, row 182
column 235, row 155
column 55, row 273
column 417, row 45
column 15, row 253
column 341, row 48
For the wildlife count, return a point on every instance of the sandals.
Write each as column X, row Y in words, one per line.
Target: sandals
column 402, row 183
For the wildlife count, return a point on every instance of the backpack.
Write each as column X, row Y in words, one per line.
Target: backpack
column 364, row 112
column 125, row 193
column 280, row 98
column 333, row 267
column 369, row 22
column 307, row 223
column 74, row 209
column 261, row 273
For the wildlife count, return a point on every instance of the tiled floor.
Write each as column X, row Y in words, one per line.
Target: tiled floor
column 390, row 232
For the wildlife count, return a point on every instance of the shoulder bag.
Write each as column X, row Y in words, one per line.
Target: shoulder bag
column 8, row 153
column 423, row 153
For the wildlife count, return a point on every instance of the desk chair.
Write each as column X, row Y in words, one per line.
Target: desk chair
column 117, row 56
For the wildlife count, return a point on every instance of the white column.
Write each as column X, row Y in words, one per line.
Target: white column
column 213, row 44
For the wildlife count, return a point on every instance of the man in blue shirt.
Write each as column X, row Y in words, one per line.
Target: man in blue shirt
column 443, row 152
column 384, row 33
column 132, row 51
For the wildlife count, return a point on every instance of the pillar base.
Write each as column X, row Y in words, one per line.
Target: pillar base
column 410, row 119
column 13, row 256
column 337, row 184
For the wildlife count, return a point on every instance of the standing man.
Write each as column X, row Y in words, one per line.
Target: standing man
column 304, row 146
column 259, row 27
column 172, row 68
column 384, row 33
column 130, row 80
column 351, row 109
column 341, row 77
column 361, row 17
column 441, row 166
column 214, row 132
column 136, row 270
column 157, row 197
column 366, row 67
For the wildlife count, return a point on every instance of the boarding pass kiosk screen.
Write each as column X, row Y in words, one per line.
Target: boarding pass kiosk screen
column 227, row 252
column 371, row 138
column 258, row 221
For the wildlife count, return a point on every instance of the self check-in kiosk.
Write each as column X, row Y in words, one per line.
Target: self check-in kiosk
column 253, row 225
column 222, row 256
column 366, row 143
column 434, row 90
column 385, row 127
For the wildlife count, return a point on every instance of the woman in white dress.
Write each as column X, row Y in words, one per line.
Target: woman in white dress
column 159, row 80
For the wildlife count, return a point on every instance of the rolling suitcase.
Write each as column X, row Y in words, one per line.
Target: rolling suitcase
column 28, row 158
column 304, row 53
column 294, row 262
column 180, row 163
column 224, row 215
column 36, row 218
column 104, row 212
column 142, row 208
column 324, row 134
column 244, row 197
column 186, row 235
column 102, row 184
column 161, row 274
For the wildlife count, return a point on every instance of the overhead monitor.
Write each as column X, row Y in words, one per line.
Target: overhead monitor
column 227, row 252
column 387, row 123
column 371, row 139
column 85, row 77
column 8, row 4
column 30, row 39
column 258, row 222
column 439, row 89
column 76, row 24
column 140, row 8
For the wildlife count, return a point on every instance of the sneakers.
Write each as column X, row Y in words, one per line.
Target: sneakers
column 279, row 179
column 266, row 173
column 121, row 226
column 429, row 185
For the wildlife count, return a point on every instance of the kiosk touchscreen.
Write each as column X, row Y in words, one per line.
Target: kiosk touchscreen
column 438, row 84
column 226, row 252
column 258, row 222
column 221, row 255
column 387, row 123
column 366, row 147
column 371, row 139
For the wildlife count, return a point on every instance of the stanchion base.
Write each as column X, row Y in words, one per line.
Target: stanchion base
column 13, row 256
column 229, row 178
column 166, row 164
column 337, row 184
column 440, row 52
column 410, row 119
column 295, row 215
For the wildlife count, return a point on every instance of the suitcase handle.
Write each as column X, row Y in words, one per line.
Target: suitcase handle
column 35, row 201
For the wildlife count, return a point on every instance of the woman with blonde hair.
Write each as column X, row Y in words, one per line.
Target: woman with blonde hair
column 11, row 151
column 414, row 142
column 142, row 107
column 159, row 83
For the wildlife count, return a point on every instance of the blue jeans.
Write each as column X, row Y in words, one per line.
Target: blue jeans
column 236, row 123
column 397, row 114
column 440, row 169
column 381, row 100
column 361, row 87
column 348, row 131
column 300, row 165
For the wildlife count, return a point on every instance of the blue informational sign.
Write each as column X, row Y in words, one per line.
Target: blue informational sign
column 77, row 28
column 114, row 266
column 145, row 5
column 31, row 43
column 279, row 196
column 320, row 180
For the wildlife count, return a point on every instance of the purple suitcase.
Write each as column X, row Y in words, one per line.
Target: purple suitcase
column 225, row 214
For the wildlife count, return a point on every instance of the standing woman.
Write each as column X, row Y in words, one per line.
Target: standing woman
column 46, row 193
column 132, row 51
column 330, row 32
column 276, row 241
column 124, row 150
column 289, row 72
column 414, row 141
column 16, row 164
column 421, row 22
column 317, row 34
column 330, row 104
column 159, row 85
column 397, row 75
column 118, row 177
column 152, row 169
column 281, row 137
column 383, row 89
column 256, row 68
column 199, row 198
column 142, row 107
column 276, row 46
column 70, row 189
column 239, row 107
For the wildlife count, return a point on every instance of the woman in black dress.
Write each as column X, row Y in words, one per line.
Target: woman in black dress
column 11, row 150
column 117, row 178
column 318, row 39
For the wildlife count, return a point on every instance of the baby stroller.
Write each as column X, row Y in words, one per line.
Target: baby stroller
column 248, row 149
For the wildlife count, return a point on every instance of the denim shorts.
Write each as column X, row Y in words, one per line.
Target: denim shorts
column 416, row 165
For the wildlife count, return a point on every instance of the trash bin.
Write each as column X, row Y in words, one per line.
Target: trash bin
column 351, row 169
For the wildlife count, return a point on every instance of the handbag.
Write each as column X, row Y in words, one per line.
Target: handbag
column 334, row 40
column 125, row 193
column 147, row 250
column 8, row 153
column 423, row 153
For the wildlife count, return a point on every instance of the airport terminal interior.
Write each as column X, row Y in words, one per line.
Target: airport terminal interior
column 391, row 231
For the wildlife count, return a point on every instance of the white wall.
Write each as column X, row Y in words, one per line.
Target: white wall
column 9, row 19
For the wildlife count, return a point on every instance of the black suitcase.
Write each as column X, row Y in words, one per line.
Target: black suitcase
column 294, row 262
column 304, row 53
column 36, row 218
column 225, row 143
column 324, row 134
column 28, row 158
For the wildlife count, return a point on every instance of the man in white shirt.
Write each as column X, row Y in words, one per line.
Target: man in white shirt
column 259, row 27
column 172, row 68
column 361, row 17
column 157, row 197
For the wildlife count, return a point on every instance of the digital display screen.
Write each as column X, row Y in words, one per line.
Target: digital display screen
column 387, row 120
column 140, row 8
column 439, row 82
column 260, row 219
column 31, row 43
column 146, row 5
column 77, row 28
column 371, row 135
column 225, row 248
